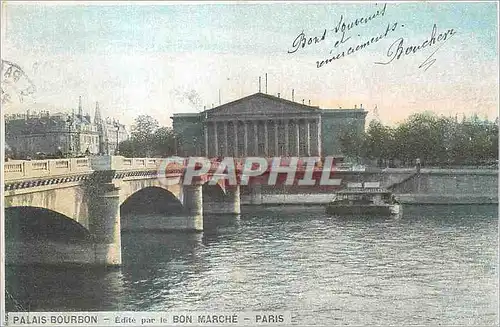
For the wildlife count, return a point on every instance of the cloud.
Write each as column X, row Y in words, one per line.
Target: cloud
column 142, row 60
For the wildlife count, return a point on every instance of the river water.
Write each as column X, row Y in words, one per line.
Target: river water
column 436, row 265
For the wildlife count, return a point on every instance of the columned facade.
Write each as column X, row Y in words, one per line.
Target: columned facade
column 266, row 136
column 266, row 126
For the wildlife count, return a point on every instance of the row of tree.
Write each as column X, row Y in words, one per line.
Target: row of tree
column 436, row 141
column 149, row 139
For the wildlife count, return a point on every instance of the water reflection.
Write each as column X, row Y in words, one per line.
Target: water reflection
column 436, row 265
column 64, row 288
column 217, row 226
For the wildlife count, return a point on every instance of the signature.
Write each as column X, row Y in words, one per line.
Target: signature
column 398, row 49
column 301, row 41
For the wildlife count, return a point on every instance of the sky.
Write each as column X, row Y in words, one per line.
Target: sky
column 165, row 58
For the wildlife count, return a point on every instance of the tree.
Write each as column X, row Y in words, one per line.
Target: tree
column 149, row 140
column 144, row 127
column 435, row 140
column 379, row 142
column 420, row 137
column 352, row 141
column 143, row 134
column 164, row 142
column 128, row 148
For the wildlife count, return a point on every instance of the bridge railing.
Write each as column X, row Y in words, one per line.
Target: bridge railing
column 23, row 169
column 122, row 163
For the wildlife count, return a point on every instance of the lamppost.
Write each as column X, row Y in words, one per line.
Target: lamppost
column 70, row 124
column 195, row 146
column 175, row 145
column 117, row 126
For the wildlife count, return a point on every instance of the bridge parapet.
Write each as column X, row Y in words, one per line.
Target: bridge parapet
column 121, row 163
column 24, row 169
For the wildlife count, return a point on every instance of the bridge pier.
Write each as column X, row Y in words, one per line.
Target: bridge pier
column 228, row 205
column 104, row 225
column 233, row 200
column 256, row 194
column 192, row 201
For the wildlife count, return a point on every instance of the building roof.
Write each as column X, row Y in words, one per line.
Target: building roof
column 197, row 114
column 260, row 103
column 265, row 105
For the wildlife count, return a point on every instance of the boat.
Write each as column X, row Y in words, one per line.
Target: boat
column 367, row 199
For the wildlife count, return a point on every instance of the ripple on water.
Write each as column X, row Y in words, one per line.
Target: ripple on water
column 437, row 265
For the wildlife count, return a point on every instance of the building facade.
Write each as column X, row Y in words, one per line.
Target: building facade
column 264, row 125
column 32, row 134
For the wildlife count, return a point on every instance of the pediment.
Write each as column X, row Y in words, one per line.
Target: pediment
column 260, row 104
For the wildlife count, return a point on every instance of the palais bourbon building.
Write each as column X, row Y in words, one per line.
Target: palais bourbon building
column 265, row 125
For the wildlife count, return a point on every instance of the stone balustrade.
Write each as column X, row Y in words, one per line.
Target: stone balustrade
column 32, row 169
column 121, row 163
column 27, row 169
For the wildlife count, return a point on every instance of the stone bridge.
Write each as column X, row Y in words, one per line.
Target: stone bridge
column 72, row 210
column 86, row 194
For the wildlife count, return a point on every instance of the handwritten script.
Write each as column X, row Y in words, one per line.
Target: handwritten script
column 398, row 49
column 301, row 41
column 342, row 33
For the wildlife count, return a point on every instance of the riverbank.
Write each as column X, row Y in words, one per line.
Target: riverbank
column 429, row 186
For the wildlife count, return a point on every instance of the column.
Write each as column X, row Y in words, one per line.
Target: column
column 206, row 140
column 235, row 126
column 255, row 138
column 287, row 137
column 225, row 140
column 308, row 138
column 276, row 145
column 216, row 141
column 297, row 138
column 104, row 224
column 266, row 139
column 192, row 200
column 245, row 139
column 318, row 129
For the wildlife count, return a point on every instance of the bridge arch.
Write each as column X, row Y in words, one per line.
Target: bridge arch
column 36, row 235
column 29, row 222
column 151, row 199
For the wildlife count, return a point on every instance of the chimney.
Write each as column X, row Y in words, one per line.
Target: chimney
column 293, row 94
column 266, row 83
column 309, row 101
column 259, row 85
column 80, row 108
column 278, row 95
column 355, row 106
column 361, row 106
column 303, row 101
